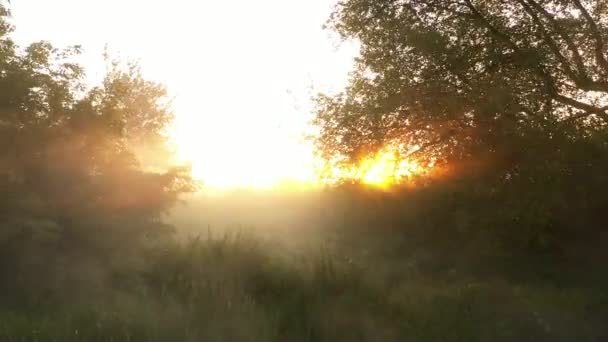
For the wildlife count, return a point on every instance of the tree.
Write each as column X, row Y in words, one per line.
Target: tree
column 512, row 95
column 466, row 77
column 74, row 194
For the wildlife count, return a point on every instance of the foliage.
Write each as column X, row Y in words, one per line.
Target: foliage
column 235, row 289
column 510, row 94
column 82, row 202
column 466, row 73
column 73, row 192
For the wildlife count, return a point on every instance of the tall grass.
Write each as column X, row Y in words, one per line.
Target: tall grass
column 236, row 288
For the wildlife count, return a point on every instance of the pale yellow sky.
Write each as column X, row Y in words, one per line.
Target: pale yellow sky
column 241, row 71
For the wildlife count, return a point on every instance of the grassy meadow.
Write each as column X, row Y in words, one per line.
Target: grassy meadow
column 254, row 267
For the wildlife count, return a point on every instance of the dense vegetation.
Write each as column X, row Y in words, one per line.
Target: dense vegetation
column 510, row 97
column 74, row 196
column 504, row 243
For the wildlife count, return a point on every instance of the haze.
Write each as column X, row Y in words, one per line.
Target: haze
column 460, row 193
column 242, row 73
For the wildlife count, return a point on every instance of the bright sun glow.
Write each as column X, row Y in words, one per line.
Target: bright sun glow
column 242, row 74
column 385, row 169
column 382, row 170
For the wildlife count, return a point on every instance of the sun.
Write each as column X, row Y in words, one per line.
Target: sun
column 243, row 101
column 242, row 88
column 291, row 165
column 222, row 162
column 384, row 169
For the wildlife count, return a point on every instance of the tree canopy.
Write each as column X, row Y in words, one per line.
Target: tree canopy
column 509, row 98
column 457, row 78
column 73, row 187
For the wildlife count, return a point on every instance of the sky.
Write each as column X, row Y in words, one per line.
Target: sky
column 242, row 72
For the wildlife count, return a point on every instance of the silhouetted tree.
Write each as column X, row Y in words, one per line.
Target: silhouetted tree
column 72, row 191
column 515, row 92
column 457, row 72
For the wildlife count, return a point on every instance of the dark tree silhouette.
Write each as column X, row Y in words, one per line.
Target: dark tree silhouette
column 512, row 95
column 72, row 191
column 458, row 74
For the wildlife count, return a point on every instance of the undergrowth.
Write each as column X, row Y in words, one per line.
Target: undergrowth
column 238, row 288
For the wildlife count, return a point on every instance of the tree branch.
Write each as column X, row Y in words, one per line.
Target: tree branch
column 427, row 145
column 585, row 107
column 580, row 116
column 497, row 33
column 538, row 69
column 578, row 59
column 550, row 41
column 583, row 81
column 599, row 42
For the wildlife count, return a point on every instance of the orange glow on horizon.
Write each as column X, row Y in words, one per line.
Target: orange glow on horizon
column 383, row 169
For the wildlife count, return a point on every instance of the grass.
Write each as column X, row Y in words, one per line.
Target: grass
column 238, row 288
